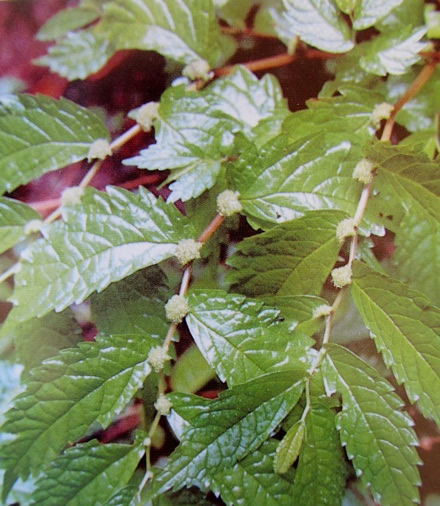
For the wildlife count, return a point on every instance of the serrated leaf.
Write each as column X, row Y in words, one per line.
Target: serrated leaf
column 13, row 217
column 126, row 496
column 293, row 258
column 321, row 470
column 87, row 474
column 65, row 395
column 318, row 23
column 368, row 12
column 408, row 12
column 241, row 338
column 289, row 447
column 104, row 239
column 253, row 481
column 409, row 180
column 232, row 427
column 394, row 52
column 133, row 305
column 41, row 338
column 377, row 434
column 39, row 134
column 195, row 130
column 406, row 331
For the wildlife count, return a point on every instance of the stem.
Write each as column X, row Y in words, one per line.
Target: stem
column 211, row 228
column 248, row 32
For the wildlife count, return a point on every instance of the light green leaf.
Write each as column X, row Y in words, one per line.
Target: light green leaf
column 290, row 259
column 253, row 481
column 346, row 6
column 13, row 217
column 321, row 470
column 241, row 338
column 104, row 239
column 394, row 52
column 191, row 371
column 318, row 23
column 195, row 130
column 65, row 395
column 369, row 12
column 41, row 338
column 377, row 434
column 432, row 17
column 407, row 13
column 39, row 134
column 229, row 428
column 233, row 12
column 409, row 180
column 87, row 474
column 133, row 305
column 406, row 331
column 289, row 447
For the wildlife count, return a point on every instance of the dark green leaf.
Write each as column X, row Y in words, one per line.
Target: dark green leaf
column 195, row 130
column 104, row 239
column 39, row 134
column 241, row 338
column 293, row 258
column 87, row 474
column 229, row 428
column 289, row 447
column 14, row 216
column 377, row 434
column 406, row 331
column 64, row 396
column 191, row 371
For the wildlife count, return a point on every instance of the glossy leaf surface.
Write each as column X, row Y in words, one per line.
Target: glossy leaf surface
column 13, row 218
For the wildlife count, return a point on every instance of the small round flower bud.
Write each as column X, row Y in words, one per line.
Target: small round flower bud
column 380, row 112
column 342, row 276
column 198, row 69
column 163, row 405
column 32, row 226
column 322, row 310
column 176, row 308
column 100, row 149
column 157, row 358
column 188, row 250
column 147, row 441
column 72, row 196
column 147, row 114
column 346, row 228
column 363, row 171
column 228, row 203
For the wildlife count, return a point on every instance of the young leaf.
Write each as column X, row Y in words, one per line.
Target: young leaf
column 65, row 395
column 39, row 134
column 377, row 434
column 289, row 447
column 195, row 130
column 104, row 239
column 232, row 427
column 133, row 305
column 253, row 481
column 318, row 23
column 406, row 331
column 393, row 52
column 290, row 259
column 87, row 474
column 14, row 216
column 241, row 338
column 409, row 180
column 369, row 12
column 321, row 470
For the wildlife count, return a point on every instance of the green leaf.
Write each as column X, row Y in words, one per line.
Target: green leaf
column 321, row 470
column 432, row 17
column 408, row 12
column 318, row 23
column 65, row 395
column 191, row 371
column 39, row 134
column 369, row 12
column 409, row 180
column 195, row 130
column 14, row 216
column 87, row 474
column 233, row 12
column 290, row 259
column 229, row 428
column 253, row 481
column 41, row 338
column 394, row 52
column 133, row 305
column 377, row 434
column 406, row 331
column 241, row 338
column 123, row 497
column 289, row 447
column 104, row 239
